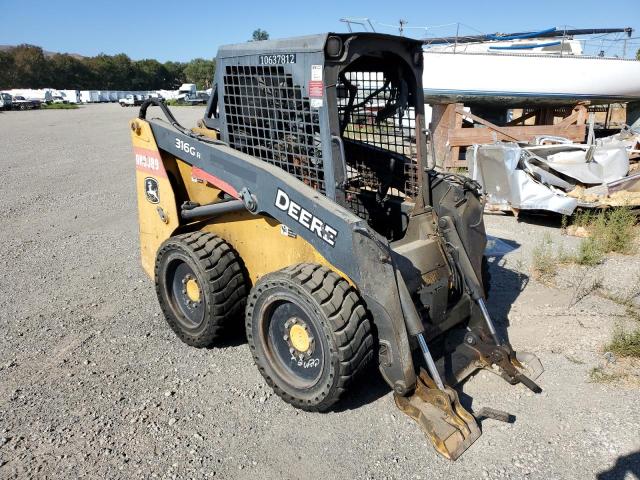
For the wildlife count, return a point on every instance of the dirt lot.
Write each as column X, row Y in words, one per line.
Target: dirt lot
column 94, row 384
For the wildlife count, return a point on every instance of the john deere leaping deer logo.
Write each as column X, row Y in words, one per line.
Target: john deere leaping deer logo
column 151, row 189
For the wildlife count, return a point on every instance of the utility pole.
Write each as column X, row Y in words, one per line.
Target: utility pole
column 401, row 27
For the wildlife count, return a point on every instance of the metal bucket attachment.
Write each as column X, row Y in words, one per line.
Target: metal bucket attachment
column 529, row 363
column 450, row 427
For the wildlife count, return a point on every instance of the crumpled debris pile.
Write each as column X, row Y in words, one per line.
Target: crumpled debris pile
column 559, row 176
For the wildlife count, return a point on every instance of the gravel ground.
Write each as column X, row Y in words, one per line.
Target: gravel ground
column 94, row 384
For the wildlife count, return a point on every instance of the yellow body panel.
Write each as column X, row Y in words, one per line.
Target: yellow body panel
column 157, row 221
column 261, row 243
column 198, row 190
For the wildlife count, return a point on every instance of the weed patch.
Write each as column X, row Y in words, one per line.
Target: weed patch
column 59, row 106
column 544, row 266
column 612, row 230
column 589, row 253
column 625, row 344
column 598, row 375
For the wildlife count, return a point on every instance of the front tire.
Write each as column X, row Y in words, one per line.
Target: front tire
column 200, row 285
column 309, row 333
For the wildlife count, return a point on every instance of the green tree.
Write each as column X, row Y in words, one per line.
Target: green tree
column 175, row 74
column 111, row 72
column 68, row 71
column 259, row 34
column 638, row 54
column 31, row 67
column 7, row 70
column 26, row 66
column 149, row 74
column 200, row 72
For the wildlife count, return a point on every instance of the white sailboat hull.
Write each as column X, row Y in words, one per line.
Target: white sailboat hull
column 528, row 79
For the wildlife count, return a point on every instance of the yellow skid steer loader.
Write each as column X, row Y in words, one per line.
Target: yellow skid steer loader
column 304, row 204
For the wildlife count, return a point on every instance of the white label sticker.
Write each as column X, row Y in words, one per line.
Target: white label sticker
column 315, row 102
column 316, row 72
column 287, row 232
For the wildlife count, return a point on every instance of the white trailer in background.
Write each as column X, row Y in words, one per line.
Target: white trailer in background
column 90, row 96
column 71, row 96
column 168, row 94
column 42, row 95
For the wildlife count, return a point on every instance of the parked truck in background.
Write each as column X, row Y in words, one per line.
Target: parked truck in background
column 18, row 102
column 199, row 98
column 131, row 101
column 5, row 101
column 186, row 90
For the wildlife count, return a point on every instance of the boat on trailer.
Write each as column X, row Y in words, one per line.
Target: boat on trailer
column 548, row 67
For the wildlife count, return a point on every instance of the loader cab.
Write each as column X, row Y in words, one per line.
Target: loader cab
column 377, row 116
column 341, row 112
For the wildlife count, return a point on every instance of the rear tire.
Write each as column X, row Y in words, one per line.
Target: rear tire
column 200, row 285
column 309, row 334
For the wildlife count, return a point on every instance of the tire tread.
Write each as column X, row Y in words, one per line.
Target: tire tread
column 225, row 284
column 342, row 313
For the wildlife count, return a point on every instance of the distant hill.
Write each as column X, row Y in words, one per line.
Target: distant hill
column 47, row 53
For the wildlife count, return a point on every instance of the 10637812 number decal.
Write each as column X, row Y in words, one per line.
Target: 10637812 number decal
column 277, row 59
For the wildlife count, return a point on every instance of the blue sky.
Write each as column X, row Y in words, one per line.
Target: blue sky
column 170, row 30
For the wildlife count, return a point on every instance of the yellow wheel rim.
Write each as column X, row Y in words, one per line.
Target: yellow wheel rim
column 193, row 290
column 299, row 338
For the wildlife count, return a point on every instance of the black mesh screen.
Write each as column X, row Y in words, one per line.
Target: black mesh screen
column 268, row 118
column 375, row 111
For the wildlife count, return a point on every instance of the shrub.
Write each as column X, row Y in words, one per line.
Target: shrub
column 545, row 263
column 615, row 231
column 625, row 344
column 589, row 252
column 611, row 231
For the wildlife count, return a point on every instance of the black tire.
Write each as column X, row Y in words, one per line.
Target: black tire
column 331, row 312
column 216, row 269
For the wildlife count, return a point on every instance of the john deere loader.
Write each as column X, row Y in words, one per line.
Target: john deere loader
column 304, row 205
